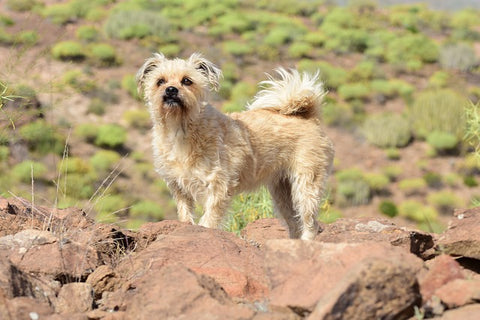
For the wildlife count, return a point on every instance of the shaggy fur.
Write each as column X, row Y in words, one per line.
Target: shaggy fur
column 207, row 156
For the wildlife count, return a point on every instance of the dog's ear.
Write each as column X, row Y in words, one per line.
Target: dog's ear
column 148, row 66
column 211, row 72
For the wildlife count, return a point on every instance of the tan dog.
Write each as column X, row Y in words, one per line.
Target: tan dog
column 205, row 155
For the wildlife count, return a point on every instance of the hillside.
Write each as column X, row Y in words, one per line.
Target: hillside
column 73, row 131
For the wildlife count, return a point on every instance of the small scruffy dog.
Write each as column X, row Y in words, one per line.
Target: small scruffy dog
column 207, row 156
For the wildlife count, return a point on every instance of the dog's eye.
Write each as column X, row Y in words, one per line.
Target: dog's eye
column 186, row 81
column 160, row 82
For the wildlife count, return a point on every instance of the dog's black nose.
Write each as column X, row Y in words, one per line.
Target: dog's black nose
column 171, row 91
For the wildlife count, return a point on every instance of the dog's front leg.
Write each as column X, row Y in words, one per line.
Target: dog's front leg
column 185, row 203
column 215, row 207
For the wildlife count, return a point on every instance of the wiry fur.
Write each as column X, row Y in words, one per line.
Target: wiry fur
column 207, row 156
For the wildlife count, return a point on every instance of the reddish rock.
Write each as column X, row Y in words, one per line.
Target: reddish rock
column 442, row 270
column 262, row 230
column 102, row 279
column 462, row 238
column 75, row 297
column 232, row 262
column 303, row 272
column 375, row 289
column 23, row 308
column 470, row 312
column 175, row 292
column 380, row 230
column 459, row 292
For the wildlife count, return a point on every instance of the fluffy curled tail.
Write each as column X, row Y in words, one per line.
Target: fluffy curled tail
column 297, row 94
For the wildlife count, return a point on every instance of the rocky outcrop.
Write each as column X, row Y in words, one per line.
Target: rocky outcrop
column 60, row 264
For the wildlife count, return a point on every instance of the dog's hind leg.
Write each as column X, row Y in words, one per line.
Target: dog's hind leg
column 215, row 206
column 307, row 190
column 185, row 203
column 280, row 190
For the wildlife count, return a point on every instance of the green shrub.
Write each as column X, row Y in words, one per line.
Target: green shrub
column 330, row 216
column 27, row 170
column 278, row 36
column 377, row 182
column 345, row 40
column 103, row 54
column 74, row 165
column 433, row 179
column 28, row 37
column 87, row 131
column 452, row 179
column 378, row 42
column 442, row 142
column 365, row 70
column 240, row 94
column 353, row 91
column 96, row 106
column 459, row 56
column 137, row 24
column 111, row 136
column 170, row 50
column 465, row 19
column 68, row 50
column 412, row 186
column 393, row 153
column 387, row 130
column 5, row 37
column 147, row 210
column 300, row 50
column 352, row 189
column 440, row 110
column 392, row 172
column 109, row 207
column 104, row 160
column 22, row 5
column 79, row 81
column 415, row 211
column 439, row 80
column 388, row 89
column 247, row 208
column 138, row 118
column 472, row 132
column 388, row 208
column 236, row 48
column 470, row 181
column 130, row 85
column 444, row 201
column 60, row 13
column 332, row 76
column 334, row 114
column 42, row 137
column 4, row 153
column 411, row 51
column 316, row 39
column 87, row 33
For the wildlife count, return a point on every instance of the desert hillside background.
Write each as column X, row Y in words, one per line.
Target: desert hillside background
column 402, row 80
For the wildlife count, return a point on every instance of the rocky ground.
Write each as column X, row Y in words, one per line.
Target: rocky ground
column 62, row 265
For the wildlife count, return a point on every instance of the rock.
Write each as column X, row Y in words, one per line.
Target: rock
column 442, row 270
column 380, row 230
column 101, row 280
column 262, row 230
column 176, row 292
column 23, row 308
column 462, row 238
column 376, row 289
column 470, row 312
column 303, row 272
column 232, row 262
column 459, row 292
column 75, row 297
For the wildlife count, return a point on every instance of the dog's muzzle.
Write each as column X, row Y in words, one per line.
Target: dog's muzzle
column 171, row 97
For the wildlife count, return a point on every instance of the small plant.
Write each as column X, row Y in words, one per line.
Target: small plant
column 111, row 136
column 351, row 91
column 27, row 170
column 444, row 201
column 416, row 211
column 300, row 50
column 392, row 172
column 236, row 48
column 332, row 76
column 377, row 182
column 433, row 179
column 247, row 208
column 74, row 165
column 138, row 118
column 330, row 216
column 352, row 189
column 79, row 81
column 129, row 84
column 109, row 207
column 147, row 210
column 96, row 106
column 387, row 130
column 29, row 37
column 42, row 137
column 439, row 110
column 393, row 154
column 68, row 50
column 411, row 51
column 4, row 153
column 442, row 142
column 87, row 33
column 388, row 208
column 104, row 160
column 458, row 56
column 87, row 132
column 337, row 114
column 470, row 181
column 412, row 186
column 122, row 24
column 103, row 54
column 22, row 5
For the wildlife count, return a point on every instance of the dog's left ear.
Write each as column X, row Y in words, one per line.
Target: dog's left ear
column 148, row 66
column 211, row 72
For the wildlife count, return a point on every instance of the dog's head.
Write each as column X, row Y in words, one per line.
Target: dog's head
column 176, row 86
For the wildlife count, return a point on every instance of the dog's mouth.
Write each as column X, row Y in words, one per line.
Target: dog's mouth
column 172, row 101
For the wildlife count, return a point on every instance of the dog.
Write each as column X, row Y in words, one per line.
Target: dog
column 207, row 156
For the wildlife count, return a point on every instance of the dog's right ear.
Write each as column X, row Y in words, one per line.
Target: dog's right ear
column 148, row 66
